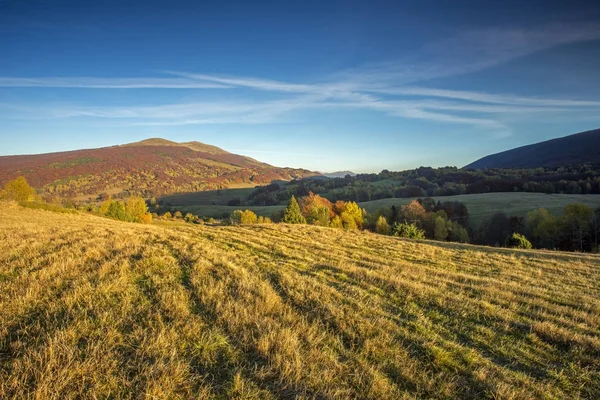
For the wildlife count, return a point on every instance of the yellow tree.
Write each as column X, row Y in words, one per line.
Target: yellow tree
column 352, row 216
column 18, row 190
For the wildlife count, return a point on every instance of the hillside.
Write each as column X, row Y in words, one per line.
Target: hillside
column 574, row 149
column 95, row 308
column 151, row 167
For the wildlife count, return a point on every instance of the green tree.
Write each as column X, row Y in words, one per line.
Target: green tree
column 576, row 220
column 543, row 228
column 382, row 226
column 18, row 190
column 236, row 217
column 292, row 214
column 410, row 231
column 518, row 241
column 116, row 209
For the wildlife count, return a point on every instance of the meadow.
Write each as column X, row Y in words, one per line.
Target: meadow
column 96, row 308
column 481, row 206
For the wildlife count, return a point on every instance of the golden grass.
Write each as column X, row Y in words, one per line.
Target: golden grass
column 95, row 308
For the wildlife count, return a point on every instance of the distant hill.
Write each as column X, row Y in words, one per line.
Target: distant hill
column 574, row 149
column 152, row 167
column 338, row 174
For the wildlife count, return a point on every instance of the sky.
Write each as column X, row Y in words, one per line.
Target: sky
column 323, row 85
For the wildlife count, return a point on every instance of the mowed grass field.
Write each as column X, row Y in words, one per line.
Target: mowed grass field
column 481, row 206
column 95, row 308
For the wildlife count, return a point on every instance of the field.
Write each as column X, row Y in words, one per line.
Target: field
column 95, row 308
column 481, row 206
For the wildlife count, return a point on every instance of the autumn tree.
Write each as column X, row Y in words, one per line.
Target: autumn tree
column 352, row 216
column 413, row 212
column 136, row 207
column 248, row 217
column 292, row 214
column 316, row 209
column 18, row 190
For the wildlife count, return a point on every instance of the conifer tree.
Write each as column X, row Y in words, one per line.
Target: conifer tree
column 292, row 214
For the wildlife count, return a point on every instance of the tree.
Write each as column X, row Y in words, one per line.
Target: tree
column 167, row 215
column 316, row 209
column 543, row 228
column 178, row 215
column 248, row 217
column 116, row 210
column 381, row 226
column 576, row 219
column 518, row 241
column 410, row 231
column 336, row 222
column 292, row 214
column 413, row 212
column 136, row 207
column 352, row 216
column 18, row 190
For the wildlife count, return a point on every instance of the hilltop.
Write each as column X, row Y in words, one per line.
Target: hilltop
column 576, row 149
column 96, row 308
column 152, row 167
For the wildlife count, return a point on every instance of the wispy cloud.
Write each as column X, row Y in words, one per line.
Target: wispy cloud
column 109, row 83
column 394, row 88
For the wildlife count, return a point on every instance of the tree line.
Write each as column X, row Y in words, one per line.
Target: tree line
column 428, row 182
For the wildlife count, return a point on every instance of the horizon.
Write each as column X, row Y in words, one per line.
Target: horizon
column 327, row 87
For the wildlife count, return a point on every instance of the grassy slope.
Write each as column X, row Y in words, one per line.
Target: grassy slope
column 481, row 206
column 91, row 307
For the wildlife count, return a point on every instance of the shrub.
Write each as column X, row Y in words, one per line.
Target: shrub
column 382, row 226
column 178, row 215
column 410, row 231
column 518, row 241
column 167, row 215
column 264, row 220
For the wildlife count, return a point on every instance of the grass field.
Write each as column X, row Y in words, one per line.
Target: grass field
column 95, row 308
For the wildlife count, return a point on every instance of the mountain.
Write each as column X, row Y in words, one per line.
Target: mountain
column 338, row 174
column 574, row 149
column 152, row 167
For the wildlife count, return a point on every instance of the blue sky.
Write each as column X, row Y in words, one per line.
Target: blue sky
column 321, row 85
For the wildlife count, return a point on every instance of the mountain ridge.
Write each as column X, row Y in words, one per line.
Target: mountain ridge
column 574, row 149
column 152, row 167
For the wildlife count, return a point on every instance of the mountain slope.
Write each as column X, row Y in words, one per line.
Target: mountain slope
column 574, row 149
column 150, row 167
column 96, row 308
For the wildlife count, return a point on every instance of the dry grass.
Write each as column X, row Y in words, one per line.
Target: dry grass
column 95, row 308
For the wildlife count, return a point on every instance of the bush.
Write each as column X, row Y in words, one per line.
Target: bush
column 518, row 241
column 46, row 207
column 410, row 231
column 382, row 226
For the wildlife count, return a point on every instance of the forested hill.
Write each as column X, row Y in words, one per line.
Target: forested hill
column 577, row 149
column 151, row 167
